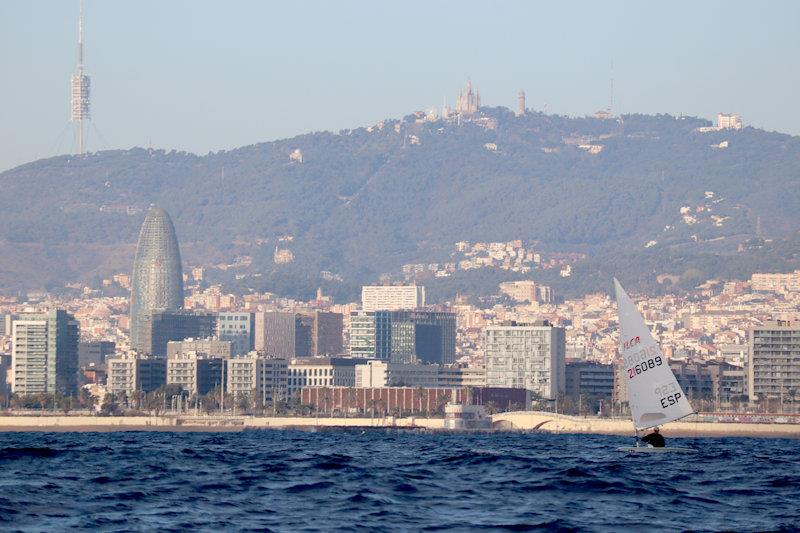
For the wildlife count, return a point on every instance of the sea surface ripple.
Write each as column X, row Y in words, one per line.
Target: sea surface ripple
column 391, row 480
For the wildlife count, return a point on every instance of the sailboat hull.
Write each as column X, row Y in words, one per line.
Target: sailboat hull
column 648, row 449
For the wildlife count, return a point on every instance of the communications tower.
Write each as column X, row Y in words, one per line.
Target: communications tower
column 80, row 89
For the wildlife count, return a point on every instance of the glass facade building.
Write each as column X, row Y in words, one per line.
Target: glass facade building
column 157, row 281
column 404, row 336
column 157, row 328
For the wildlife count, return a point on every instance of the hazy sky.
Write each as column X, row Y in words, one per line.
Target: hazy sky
column 203, row 75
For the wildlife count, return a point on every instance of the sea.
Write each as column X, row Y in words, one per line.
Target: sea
column 391, row 480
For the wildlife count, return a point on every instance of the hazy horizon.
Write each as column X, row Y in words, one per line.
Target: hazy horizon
column 204, row 76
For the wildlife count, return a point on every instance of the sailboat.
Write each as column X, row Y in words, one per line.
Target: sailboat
column 654, row 395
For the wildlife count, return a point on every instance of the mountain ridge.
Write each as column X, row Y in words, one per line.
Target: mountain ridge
column 362, row 202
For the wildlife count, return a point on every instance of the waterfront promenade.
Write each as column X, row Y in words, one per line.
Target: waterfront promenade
column 514, row 421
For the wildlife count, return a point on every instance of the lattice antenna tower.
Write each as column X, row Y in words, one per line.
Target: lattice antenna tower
column 80, row 90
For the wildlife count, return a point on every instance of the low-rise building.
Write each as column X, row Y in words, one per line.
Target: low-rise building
column 586, row 378
column 195, row 373
column 131, row 372
column 204, row 347
column 262, row 379
column 321, row 372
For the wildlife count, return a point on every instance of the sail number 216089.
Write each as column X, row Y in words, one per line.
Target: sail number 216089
column 644, row 366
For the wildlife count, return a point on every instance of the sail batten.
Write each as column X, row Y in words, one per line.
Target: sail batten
column 654, row 395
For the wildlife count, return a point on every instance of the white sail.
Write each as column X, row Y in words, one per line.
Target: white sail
column 654, row 395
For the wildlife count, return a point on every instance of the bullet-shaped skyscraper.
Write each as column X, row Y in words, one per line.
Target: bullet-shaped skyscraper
column 157, row 282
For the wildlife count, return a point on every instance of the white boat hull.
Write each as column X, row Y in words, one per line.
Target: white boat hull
column 649, row 449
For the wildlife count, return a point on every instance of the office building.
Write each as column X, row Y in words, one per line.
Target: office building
column 157, row 328
column 320, row 372
column 95, row 352
column 587, row 378
column 327, row 334
column 262, row 379
column 522, row 356
column 774, row 361
column 404, row 336
column 377, row 374
column 196, row 373
column 239, row 329
column 302, row 334
column 157, row 280
column 45, row 353
column 275, row 334
column 392, row 297
column 131, row 372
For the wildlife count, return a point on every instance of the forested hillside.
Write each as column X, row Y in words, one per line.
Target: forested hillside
column 363, row 202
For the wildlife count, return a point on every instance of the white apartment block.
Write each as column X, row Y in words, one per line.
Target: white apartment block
column 530, row 357
column 30, row 357
column 774, row 361
column 392, row 297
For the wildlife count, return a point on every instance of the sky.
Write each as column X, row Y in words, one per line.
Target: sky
column 202, row 75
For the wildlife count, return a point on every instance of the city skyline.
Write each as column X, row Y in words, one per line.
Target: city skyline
column 152, row 91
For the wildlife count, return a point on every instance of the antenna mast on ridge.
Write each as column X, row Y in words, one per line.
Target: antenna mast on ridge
column 80, row 89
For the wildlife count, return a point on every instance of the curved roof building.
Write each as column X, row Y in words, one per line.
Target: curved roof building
column 157, row 281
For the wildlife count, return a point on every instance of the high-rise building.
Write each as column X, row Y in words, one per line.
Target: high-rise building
column 318, row 334
column 275, row 334
column 45, row 353
column 302, row 334
column 522, row 356
column 239, row 329
column 157, row 281
column 404, row 336
column 520, row 103
column 774, row 361
column 157, row 328
column 392, row 297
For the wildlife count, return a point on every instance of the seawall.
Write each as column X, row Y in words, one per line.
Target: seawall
column 515, row 421
column 613, row 426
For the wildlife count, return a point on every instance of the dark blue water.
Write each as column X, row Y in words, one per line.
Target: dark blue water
column 287, row 480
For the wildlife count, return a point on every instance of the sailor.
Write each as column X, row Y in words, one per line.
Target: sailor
column 654, row 439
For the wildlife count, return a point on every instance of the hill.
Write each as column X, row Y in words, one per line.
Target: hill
column 641, row 196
